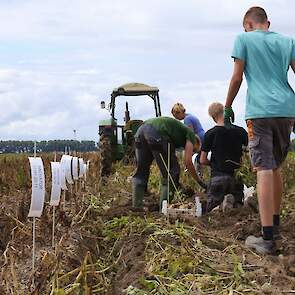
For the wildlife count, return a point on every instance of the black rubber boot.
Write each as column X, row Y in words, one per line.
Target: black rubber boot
column 137, row 195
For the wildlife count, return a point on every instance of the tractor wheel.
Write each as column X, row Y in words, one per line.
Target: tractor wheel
column 105, row 156
column 129, row 157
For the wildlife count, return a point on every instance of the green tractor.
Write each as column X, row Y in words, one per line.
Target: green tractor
column 117, row 141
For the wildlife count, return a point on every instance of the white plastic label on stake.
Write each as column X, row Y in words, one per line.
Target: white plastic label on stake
column 81, row 167
column 198, row 205
column 56, row 183
column 69, row 176
column 38, row 187
column 63, row 173
column 164, row 207
column 75, row 168
column 67, row 162
column 85, row 170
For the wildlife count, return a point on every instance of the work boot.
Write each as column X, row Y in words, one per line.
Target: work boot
column 137, row 195
column 228, row 203
column 260, row 245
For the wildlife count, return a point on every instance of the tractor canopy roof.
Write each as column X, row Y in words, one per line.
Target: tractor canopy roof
column 133, row 89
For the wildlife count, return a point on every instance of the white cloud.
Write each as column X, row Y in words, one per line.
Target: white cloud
column 30, row 128
column 60, row 58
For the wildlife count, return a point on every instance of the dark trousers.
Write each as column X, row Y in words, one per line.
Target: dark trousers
column 222, row 185
column 150, row 145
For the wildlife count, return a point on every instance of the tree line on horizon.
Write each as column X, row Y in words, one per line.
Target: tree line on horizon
column 60, row 145
column 27, row 146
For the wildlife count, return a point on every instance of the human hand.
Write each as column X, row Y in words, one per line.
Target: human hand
column 229, row 116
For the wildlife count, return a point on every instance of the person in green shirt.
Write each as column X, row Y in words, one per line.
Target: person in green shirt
column 265, row 58
column 151, row 142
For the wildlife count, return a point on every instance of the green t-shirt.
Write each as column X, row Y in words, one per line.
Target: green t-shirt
column 267, row 56
column 176, row 131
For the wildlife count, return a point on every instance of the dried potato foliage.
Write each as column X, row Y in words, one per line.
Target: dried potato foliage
column 103, row 247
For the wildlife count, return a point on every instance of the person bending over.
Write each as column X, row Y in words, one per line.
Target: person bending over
column 151, row 143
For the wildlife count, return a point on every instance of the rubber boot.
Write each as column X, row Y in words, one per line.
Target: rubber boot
column 137, row 195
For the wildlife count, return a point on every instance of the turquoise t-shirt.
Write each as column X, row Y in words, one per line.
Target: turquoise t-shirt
column 267, row 56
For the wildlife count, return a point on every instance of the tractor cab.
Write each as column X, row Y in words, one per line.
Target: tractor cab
column 117, row 139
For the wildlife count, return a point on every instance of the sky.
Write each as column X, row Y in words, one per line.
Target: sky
column 59, row 59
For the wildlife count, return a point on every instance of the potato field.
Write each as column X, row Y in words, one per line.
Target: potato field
column 103, row 247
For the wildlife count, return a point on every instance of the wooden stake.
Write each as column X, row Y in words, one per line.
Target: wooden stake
column 34, row 231
column 168, row 185
column 53, row 227
column 64, row 199
column 34, row 248
column 53, row 217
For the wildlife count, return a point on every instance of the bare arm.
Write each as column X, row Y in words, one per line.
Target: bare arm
column 188, row 153
column 203, row 159
column 235, row 82
column 199, row 143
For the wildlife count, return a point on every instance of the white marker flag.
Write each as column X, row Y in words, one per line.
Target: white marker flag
column 63, row 172
column 81, row 167
column 67, row 165
column 85, row 171
column 75, row 168
column 38, row 187
column 56, row 183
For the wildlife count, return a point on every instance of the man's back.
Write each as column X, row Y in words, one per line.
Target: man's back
column 267, row 56
column 177, row 132
column 226, row 147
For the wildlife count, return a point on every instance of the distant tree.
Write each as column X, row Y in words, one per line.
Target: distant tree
column 21, row 146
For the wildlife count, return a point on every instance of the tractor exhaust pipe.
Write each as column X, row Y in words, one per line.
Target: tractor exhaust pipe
column 127, row 114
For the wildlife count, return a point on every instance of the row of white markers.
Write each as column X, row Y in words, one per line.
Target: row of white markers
column 66, row 171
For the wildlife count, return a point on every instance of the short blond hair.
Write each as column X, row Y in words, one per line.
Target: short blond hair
column 215, row 109
column 178, row 108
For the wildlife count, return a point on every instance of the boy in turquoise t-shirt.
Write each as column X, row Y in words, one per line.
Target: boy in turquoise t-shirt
column 264, row 57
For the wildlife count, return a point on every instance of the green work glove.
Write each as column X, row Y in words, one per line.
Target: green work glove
column 229, row 116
